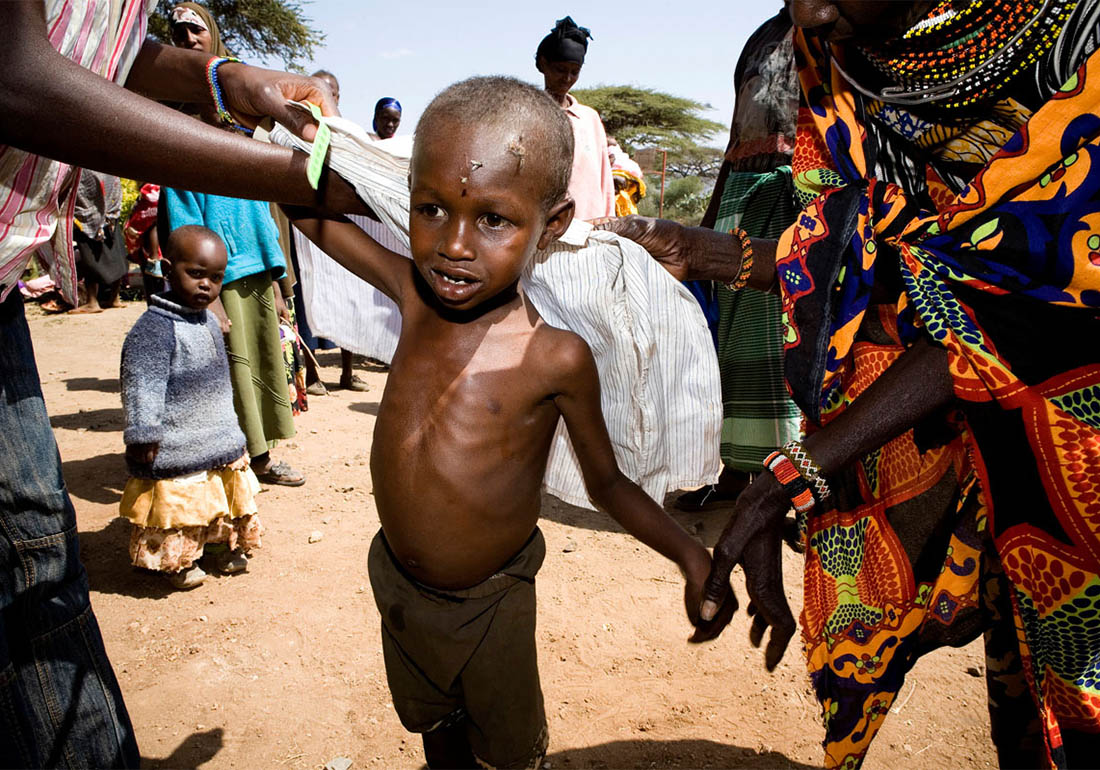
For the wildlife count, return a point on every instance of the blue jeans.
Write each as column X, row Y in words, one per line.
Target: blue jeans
column 60, row 704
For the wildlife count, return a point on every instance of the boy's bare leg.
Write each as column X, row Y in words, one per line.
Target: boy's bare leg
column 448, row 747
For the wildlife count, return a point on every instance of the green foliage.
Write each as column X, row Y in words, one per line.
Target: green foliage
column 686, row 199
column 129, row 198
column 642, row 117
column 266, row 29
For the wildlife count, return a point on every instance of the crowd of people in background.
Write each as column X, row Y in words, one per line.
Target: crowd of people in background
column 900, row 259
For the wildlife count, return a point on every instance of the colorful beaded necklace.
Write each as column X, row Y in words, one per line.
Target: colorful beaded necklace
column 963, row 51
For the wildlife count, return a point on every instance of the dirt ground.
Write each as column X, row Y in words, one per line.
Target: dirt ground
column 281, row 666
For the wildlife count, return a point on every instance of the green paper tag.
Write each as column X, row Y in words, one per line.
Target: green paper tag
column 320, row 147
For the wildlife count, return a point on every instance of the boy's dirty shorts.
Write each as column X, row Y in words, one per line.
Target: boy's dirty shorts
column 466, row 655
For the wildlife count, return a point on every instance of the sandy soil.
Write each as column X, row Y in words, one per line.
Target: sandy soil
column 281, row 666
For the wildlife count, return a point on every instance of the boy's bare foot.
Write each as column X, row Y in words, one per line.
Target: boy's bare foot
column 353, row 383
column 85, row 309
column 186, row 579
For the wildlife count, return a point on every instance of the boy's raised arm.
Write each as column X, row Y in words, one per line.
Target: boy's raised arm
column 345, row 242
column 578, row 400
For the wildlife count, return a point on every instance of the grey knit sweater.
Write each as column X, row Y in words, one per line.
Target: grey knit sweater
column 176, row 392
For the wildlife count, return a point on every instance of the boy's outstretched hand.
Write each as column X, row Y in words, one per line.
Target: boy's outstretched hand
column 753, row 539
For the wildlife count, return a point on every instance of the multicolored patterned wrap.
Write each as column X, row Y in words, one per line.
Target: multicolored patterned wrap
column 1006, row 276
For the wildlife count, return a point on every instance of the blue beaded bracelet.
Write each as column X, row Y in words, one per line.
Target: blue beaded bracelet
column 216, row 92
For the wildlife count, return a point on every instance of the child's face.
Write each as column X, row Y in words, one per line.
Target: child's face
column 196, row 272
column 475, row 211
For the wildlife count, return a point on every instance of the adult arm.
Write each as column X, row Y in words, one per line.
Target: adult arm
column 344, row 241
column 696, row 253
column 914, row 387
column 578, row 400
column 51, row 106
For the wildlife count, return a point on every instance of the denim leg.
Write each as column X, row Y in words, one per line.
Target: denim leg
column 60, row 704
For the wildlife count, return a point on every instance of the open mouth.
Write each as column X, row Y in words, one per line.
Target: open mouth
column 454, row 287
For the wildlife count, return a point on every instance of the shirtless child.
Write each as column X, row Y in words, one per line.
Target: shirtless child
column 475, row 392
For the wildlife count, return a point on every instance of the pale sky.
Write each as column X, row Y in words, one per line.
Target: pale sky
column 412, row 49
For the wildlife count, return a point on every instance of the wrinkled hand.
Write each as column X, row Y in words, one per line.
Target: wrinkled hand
column 753, row 538
column 144, row 454
column 253, row 93
column 665, row 240
column 687, row 253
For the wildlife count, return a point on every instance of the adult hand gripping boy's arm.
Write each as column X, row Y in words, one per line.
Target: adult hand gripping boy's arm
column 915, row 386
column 51, row 106
column 578, row 400
column 344, row 241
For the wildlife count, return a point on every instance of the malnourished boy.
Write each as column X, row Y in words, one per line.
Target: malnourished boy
column 475, row 392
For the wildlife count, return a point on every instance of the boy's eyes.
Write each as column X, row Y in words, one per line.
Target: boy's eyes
column 494, row 220
column 429, row 210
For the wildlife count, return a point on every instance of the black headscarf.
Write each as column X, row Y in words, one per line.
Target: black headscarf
column 566, row 42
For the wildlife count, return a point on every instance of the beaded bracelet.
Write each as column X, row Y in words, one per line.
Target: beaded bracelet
column 216, row 92
column 791, row 480
column 742, row 279
column 808, row 469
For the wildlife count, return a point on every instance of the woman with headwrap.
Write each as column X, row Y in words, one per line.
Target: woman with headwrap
column 940, row 292
column 387, row 117
column 559, row 58
column 251, row 302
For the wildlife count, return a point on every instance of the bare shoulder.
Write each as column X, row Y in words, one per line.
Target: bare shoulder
column 563, row 356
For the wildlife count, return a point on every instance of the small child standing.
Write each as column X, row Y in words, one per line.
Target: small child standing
column 191, row 488
column 477, row 388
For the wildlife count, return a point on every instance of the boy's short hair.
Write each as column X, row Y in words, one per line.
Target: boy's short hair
column 510, row 103
column 185, row 233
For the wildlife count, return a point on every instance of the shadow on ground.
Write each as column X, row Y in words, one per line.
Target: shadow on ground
column 98, row 479
column 681, row 753
column 106, row 556
column 92, row 383
column 90, row 419
column 365, row 407
column 195, row 750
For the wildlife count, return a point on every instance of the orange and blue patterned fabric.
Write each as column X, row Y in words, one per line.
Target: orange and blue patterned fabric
column 1004, row 272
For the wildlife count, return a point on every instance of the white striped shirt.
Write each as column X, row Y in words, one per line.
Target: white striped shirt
column 660, row 392
column 36, row 193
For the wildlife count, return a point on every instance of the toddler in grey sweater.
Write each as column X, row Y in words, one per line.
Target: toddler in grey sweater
column 191, row 488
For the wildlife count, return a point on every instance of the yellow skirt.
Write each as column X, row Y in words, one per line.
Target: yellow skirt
column 175, row 518
column 194, row 500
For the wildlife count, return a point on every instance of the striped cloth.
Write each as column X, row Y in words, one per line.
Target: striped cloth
column 660, row 392
column 36, row 193
column 349, row 312
column 758, row 414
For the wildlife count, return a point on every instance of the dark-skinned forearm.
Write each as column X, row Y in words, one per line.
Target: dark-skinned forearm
column 914, row 387
column 53, row 107
column 646, row 521
column 170, row 74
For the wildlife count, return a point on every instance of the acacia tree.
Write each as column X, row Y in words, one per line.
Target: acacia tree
column 265, row 29
column 642, row 117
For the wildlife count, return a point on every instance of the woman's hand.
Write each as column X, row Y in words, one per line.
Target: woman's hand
column 753, row 538
column 253, row 93
column 688, row 253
